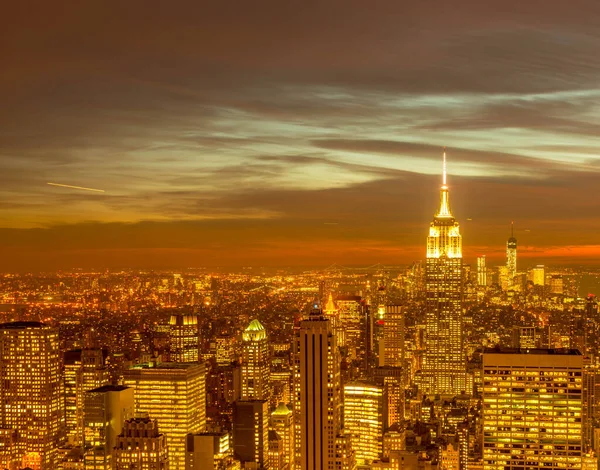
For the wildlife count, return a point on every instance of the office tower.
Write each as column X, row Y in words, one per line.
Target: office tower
column 225, row 350
column 251, row 432
column 318, row 404
column 333, row 314
column 481, row 271
column 538, row 275
column 106, row 408
column 391, row 379
column 532, row 409
column 141, row 446
column 351, row 313
column 511, row 255
column 393, row 336
column 282, row 422
column 209, row 451
column 174, row 394
column 84, row 369
column 184, row 338
column 275, row 451
column 31, row 401
column 444, row 361
column 363, row 419
column 255, row 362
column 449, row 458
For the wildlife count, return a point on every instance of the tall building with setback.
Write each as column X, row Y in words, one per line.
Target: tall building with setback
column 532, row 409
column 84, row 369
column 511, row 256
column 31, row 402
column 318, row 405
column 106, row 408
column 363, row 419
column 141, row 446
column 255, row 362
column 209, row 451
column 251, row 432
column 175, row 395
column 282, row 422
column 444, row 365
column 184, row 338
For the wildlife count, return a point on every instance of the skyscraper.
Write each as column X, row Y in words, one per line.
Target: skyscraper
column 175, row 395
column 251, row 432
column 363, row 419
column 84, row 369
column 444, row 361
column 318, row 405
column 31, row 403
column 393, row 336
column 255, row 362
column 481, row 271
column 106, row 408
column 511, row 255
column 532, row 409
column 282, row 422
column 184, row 338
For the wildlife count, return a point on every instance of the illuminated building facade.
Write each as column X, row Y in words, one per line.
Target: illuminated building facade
column 31, row 402
column 282, row 422
column 333, row 314
column 532, row 409
column 481, row 271
column 363, row 419
column 106, row 408
column 511, row 256
column 184, row 338
column 251, row 432
column 255, row 362
column 318, row 405
column 538, row 275
column 141, row 446
column 351, row 312
column 175, row 395
column 444, row 361
column 393, row 336
column 84, row 369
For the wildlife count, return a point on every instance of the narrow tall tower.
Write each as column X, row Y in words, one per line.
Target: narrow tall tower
column 318, row 407
column 255, row 362
column 511, row 255
column 444, row 362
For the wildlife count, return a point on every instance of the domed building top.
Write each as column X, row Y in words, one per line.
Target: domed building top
column 255, row 331
column 281, row 410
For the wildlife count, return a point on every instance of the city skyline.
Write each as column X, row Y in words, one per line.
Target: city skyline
column 318, row 140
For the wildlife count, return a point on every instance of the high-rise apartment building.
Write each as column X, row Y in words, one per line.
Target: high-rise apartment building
column 174, row 394
column 255, row 362
column 184, row 338
column 318, row 405
column 106, row 408
column 511, row 256
column 532, row 409
column 141, row 446
column 31, row 399
column 363, row 419
column 444, row 365
column 84, row 369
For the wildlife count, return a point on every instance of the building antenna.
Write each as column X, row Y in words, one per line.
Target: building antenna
column 444, row 168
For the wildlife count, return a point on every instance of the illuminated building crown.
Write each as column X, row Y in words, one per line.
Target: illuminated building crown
column 254, row 332
column 444, row 234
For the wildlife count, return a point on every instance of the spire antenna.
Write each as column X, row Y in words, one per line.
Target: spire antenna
column 512, row 228
column 444, row 168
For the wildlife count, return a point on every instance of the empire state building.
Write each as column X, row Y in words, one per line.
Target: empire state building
column 444, row 362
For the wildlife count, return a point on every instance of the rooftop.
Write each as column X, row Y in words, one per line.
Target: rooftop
column 557, row 351
column 109, row 388
column 21, row 325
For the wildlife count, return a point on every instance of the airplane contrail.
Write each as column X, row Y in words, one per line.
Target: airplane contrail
column 76, row 187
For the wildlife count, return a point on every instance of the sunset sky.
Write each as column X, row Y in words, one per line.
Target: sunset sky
column 289, row 133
